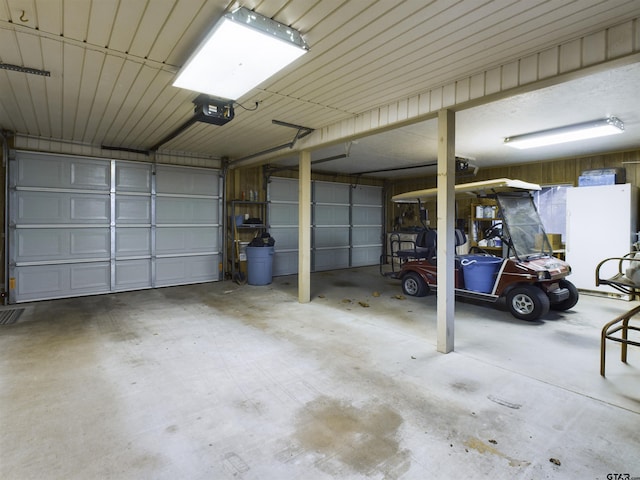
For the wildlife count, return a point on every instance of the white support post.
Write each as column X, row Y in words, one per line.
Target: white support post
column 304, row 228
column 446, row 219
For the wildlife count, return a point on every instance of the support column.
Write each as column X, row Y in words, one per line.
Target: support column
column 304, row 228
column 446, row 224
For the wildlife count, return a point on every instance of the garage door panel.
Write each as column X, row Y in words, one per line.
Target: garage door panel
column 330, row 259
column 38, row 244
column 364, row 195
column 87, row 208
column 283, row 190
column 133, row 274
column 328, row 192
column 283, row 214
column 59, row 281
column 187, row 181
column 63, row 172
column 330, row 237
column 364, row 256
column 363, row 215
column 175, row 240
column 90, row 278
column 186, row 210
column 133, row 209
column 366, row 236
column 331, row 215
column 133, row 242
column 285, row 263
column 285, row 237
column 185, row 270
column 56, row 208
column 131, row 177
column 90, row 175
column 41, row 282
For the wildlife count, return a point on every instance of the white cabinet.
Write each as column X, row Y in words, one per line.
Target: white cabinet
column 601, row 223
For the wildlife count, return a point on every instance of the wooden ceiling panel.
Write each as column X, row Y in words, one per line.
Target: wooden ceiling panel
column 134, row 105
column 75, row 19
column 10, row 51
column 117, row 101
column 109, row 73
column 48, row 16
column 125, row 26
column 154, row 20
column 292, row 11
column 50, row 98
column 132, row 131
column 10, row 84
column 186, row 25
column 103, row 14
column 93, row 64
column 72, row 66
column 112, row 62
column 433, row 62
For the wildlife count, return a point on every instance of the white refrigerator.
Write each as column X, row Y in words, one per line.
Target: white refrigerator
column 601, row 223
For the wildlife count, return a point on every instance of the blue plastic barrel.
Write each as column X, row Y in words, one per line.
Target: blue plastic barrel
column 259, row 265
column 480, row 272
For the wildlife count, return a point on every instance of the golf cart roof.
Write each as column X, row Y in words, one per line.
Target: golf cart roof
column 485, row 187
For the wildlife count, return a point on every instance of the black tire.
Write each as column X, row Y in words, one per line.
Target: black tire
column 527, row 302
column 413, row 285
column 569, row 302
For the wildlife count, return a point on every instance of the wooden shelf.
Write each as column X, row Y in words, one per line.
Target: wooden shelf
column 480, row 224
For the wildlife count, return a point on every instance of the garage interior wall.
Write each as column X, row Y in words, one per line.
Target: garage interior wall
column 554, row 172
column 562, row 171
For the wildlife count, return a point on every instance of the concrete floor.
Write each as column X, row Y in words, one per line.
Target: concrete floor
column 217, row 381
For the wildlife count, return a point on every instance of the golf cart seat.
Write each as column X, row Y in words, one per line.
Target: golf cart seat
column 460, row 240
column 626, row 280
column 402, row 248
column 424, row 246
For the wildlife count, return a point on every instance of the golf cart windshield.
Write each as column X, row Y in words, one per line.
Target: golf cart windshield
column 523, row 226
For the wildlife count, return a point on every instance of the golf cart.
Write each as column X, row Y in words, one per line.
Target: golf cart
column 530, row 279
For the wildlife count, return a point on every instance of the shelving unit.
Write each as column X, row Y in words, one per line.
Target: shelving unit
column 244, row 232
column 484, row 214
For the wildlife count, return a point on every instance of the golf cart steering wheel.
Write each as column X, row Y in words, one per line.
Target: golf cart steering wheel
column 494, row 231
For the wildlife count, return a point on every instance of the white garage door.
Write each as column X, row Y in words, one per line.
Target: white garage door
column 346, row 227
column 84, row 226
column 283, row 224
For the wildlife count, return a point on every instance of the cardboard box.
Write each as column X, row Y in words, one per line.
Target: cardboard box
column 555, row 239
column 595, row 180
column 602, row 176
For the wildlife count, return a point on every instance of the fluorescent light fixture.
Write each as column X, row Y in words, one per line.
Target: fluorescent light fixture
column 242, row 50
column 570, row 133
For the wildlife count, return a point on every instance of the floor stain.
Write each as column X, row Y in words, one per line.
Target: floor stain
column 364, row 439
column 503, row 402
column 234, row 464
column 482, row 447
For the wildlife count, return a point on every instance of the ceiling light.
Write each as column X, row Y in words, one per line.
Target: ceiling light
column 570, row 133
column 242, row 50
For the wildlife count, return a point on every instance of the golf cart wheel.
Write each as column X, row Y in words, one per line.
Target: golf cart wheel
column 413, row 285
column 569, row 302
column 527, row 302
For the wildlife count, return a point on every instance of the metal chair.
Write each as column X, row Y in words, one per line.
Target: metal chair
column 623, row 281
